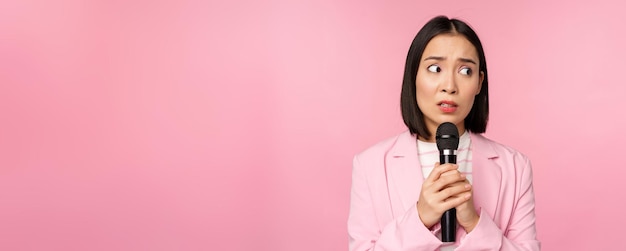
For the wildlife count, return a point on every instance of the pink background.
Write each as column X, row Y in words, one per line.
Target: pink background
column 231, row 125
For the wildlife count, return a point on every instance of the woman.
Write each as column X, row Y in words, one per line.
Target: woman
column 399, row 191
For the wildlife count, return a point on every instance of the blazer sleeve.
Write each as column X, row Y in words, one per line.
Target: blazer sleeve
column 406, row 232
column 520, row 233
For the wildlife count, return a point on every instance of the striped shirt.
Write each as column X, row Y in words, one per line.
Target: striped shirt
column 428, row 155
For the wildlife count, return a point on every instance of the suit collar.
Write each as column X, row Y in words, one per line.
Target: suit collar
column 482, row 146
column 487, row 175
column 404, row 173
column 405, row 177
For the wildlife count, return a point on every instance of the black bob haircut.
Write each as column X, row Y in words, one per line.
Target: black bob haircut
column 476, row 120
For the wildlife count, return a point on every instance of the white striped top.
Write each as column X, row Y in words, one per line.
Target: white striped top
column 428, row 155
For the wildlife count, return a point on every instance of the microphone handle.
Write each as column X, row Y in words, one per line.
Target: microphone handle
column 447, row 159
column 448, row 225
column 448, row 219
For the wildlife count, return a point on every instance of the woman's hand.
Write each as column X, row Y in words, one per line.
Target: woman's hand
column 445, row 188
column 466, row 214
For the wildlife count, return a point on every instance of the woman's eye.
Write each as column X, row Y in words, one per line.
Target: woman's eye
column 434, row 68
column 466, row 71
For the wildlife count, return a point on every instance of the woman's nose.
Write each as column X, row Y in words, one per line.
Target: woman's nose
column 449, row 85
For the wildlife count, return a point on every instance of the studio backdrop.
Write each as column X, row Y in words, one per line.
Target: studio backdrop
column 231, row 125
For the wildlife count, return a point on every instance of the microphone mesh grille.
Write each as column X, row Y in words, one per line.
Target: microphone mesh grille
column 447, row 136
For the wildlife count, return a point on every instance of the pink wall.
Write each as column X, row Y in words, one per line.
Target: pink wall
column 180, row 125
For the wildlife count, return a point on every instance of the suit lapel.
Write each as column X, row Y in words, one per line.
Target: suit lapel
column 486, row 173
column 404, row 174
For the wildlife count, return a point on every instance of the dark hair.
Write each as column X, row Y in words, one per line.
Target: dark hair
column 476, row 120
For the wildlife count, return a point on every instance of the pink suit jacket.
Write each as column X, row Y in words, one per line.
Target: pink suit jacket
column 386, row 183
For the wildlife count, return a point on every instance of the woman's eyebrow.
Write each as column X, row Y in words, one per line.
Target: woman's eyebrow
column 434, row 58
column 466, row 60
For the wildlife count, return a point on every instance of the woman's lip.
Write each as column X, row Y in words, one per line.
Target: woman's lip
column 447, row 109
column 451, row 103
column 447, row 106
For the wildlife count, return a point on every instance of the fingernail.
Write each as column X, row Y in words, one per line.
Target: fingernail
column 467, row 186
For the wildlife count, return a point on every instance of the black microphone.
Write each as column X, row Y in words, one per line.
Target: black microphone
column 447, row 138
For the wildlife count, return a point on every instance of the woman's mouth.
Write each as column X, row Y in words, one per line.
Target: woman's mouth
column 447, row 106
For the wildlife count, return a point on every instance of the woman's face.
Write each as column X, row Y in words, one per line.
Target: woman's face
column 447, row 81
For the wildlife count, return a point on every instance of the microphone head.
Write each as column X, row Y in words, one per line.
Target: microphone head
column 447, row 136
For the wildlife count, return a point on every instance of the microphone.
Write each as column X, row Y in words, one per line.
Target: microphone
column 447, row 138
